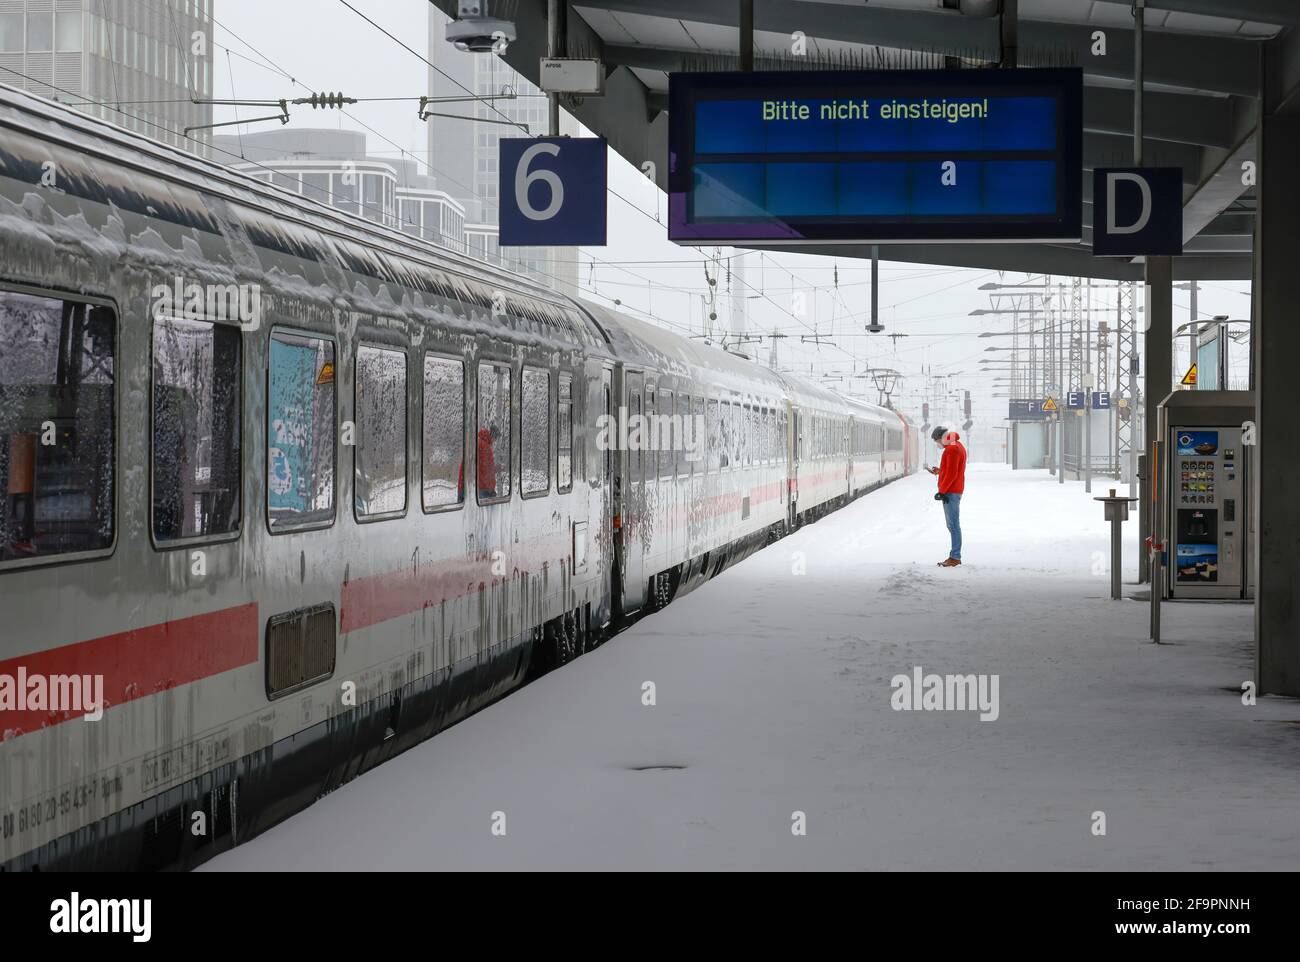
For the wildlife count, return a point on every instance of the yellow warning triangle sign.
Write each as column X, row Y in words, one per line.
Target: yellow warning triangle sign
column 1049, row 404
column 1189, row 379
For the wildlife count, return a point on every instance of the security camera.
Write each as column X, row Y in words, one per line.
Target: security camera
column 477, row 31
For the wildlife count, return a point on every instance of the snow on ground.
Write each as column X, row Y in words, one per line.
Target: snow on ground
column 773, row 695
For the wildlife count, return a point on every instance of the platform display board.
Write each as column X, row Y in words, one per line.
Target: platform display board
column 941, row 156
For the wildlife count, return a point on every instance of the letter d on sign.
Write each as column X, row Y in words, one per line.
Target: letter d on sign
column 1114, row 178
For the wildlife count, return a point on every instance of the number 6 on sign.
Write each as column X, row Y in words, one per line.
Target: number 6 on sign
column 552, row 191
column 523, row 179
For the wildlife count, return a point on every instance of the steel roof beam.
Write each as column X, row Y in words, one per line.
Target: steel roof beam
column 1284, row 13
column 1192, row 61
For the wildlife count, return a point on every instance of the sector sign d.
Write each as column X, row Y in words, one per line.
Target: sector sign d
column 1138, row 211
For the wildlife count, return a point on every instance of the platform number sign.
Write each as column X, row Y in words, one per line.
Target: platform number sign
column 552, row 191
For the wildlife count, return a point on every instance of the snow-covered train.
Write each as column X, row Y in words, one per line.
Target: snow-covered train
column 287, row 491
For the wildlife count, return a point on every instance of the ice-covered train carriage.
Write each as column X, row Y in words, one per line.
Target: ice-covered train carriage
column 286, row 492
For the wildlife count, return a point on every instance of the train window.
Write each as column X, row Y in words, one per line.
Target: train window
column 685, row 436
column 380, row 449
column 739, row 445
column 196, row 429
column 634, row 387
column 442, row 477
column 698, row 434
column 742, row 416
column 535, row 433
column 727, row 427
column 670, row 437
column 492, row 444
column 58, row 380
column 714, row 434
column 755, row 436
column 648, row 434
column 300, row 431
column 564, row 453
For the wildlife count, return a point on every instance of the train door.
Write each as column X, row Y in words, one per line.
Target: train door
column 793, row 443
column 609, row 484
column 667, row 534
column 846, row 453
column 632, row 510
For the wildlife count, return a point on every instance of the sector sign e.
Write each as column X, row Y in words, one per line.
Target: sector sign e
column 552, row 191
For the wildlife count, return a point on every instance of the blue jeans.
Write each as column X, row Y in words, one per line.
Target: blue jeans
column 952, row 515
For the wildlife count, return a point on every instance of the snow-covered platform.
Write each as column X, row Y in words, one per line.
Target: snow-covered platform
column 773, row 697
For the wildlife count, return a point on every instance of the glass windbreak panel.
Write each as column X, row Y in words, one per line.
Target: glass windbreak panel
column 300, row 431
column 381, row 431
column 443, row 477
column 196, row 429
column 57, row 411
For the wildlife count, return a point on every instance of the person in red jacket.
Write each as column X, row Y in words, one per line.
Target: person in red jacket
column 485, row 463
column 952, row 483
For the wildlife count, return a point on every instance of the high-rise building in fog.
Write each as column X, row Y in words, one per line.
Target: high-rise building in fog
column 463, row 153
column 137, row 63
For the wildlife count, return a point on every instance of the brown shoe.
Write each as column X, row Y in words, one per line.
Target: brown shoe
column 949, row 562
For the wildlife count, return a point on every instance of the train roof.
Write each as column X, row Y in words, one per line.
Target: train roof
column 163, row 188
column 167, row 190
column 634, row 339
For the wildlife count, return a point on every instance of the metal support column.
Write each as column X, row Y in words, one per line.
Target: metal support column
column 1276, row 293
column 746, row 35
column 554, row 48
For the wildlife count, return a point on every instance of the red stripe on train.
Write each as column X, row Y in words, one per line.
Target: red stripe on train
column 376, row 598
column 140, row 662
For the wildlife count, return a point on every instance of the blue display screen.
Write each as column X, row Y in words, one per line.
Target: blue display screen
column 875, row 156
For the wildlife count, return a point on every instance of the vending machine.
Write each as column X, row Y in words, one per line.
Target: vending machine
column 1207, row 518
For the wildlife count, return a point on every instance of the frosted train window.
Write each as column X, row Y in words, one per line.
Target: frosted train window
column 196, row 429
column 564, row 453
column 443, row 478
column 669, row 437
column 634, row 386
column 57, row 384
column 380, row 448
column 687, row 434
column 300, row 431
column 716, row 455
column 535, row 433
column 492, row 437
column 697, row 412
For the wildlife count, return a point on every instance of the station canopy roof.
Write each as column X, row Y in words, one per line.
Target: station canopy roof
column 1210, row 66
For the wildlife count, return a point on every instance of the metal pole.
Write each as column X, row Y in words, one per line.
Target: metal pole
column 1139, row 21
column 875, row 287
column 1008, row 31
column 1116, row 556
column 747, row 35
column 1060, row 384
column 554, row 42
column 1087, row 391
column 1193, row 342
